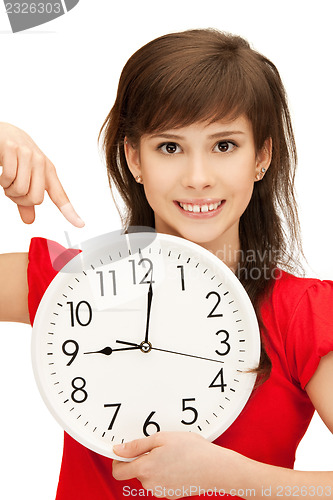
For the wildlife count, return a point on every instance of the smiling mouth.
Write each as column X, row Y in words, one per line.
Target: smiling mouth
column 202, row 208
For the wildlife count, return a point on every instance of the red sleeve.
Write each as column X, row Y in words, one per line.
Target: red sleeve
column 310, row 332
column 46, row 258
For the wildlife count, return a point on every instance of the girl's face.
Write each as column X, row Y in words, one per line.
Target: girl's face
column 199, row 179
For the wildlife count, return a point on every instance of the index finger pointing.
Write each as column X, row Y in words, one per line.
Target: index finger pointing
column 59, row 197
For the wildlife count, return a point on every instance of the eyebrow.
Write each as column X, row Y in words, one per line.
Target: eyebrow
column 213, row 136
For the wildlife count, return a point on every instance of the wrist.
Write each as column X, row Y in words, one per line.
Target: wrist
column 228, row 470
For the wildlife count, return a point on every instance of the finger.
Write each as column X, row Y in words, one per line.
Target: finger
column 136, row 447
column 35, row 194
column 59, row 197
column 69, row 213
column 21, row 184
column 124, row 471
column 37, row 182
column 9, row 163
column 27, row 214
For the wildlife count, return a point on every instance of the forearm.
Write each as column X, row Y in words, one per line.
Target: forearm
column 250, row 479
column 14, row 287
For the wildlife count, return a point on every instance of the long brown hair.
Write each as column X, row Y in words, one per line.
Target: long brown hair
column 206, row 75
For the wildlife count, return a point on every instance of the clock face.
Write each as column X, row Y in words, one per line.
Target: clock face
column 139, row 336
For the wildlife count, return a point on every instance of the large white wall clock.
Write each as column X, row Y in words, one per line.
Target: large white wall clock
column 144, row 334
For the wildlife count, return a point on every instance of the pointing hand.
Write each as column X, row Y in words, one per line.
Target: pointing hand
column 27, row 173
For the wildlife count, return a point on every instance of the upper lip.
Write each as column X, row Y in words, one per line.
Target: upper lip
column 200, row 202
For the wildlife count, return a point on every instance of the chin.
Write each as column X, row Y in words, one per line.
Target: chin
column 200, row 235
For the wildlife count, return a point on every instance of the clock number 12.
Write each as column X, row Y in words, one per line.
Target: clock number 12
column 145, row 280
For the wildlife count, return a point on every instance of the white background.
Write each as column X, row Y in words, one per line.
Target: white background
column 58, row 82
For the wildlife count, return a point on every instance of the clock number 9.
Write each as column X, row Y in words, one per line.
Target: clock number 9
column 144, row 280
column 70, row 352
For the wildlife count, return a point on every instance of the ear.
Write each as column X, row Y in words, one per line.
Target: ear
column 132, row 154
column 263, row 159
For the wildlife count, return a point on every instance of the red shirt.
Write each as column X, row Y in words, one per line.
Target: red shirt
column 299, row 323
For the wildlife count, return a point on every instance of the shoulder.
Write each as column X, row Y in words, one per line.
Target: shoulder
column 291, row 295
column 45, row 259
column 298, row 321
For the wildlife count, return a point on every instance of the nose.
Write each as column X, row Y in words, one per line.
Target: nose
column 198, row 173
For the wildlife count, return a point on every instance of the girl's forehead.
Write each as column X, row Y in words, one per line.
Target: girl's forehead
column 239, row 125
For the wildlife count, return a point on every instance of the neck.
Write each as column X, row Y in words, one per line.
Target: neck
column 228, row 252
column 226, row 246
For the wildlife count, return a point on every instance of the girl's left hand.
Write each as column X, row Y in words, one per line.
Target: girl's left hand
column 172, row 462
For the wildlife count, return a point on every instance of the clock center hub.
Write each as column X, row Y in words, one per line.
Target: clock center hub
column 145, row 346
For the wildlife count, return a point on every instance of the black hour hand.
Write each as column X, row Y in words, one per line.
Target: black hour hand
column 108, row 350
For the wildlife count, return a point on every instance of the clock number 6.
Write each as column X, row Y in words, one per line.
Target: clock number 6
column 150, row 422
column 191, row 408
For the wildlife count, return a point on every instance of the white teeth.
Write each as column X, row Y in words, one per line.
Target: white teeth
column 199, row 208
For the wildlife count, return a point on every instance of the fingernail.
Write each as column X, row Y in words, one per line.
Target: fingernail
column 68, row 211
column 118, row 448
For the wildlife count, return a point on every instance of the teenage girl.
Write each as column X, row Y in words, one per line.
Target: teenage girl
column 200, row 145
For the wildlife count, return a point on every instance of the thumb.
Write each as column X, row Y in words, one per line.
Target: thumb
column 27, row 214
column 136, row 447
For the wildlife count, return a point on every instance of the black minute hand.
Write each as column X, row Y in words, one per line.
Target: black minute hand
column 170, row 352
column 149, row 299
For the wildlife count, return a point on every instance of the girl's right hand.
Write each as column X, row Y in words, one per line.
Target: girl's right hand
column 27, row 173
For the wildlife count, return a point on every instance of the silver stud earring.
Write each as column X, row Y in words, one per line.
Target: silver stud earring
column 261, row 174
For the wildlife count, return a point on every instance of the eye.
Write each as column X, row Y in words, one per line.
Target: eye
column 169, row 148
column 224, row 147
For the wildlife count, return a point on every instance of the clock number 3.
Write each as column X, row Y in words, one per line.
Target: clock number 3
column 224, row 342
